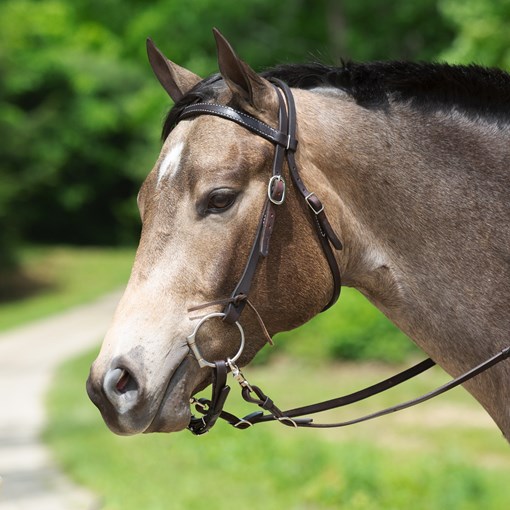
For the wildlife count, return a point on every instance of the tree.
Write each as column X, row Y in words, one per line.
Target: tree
column 482, row 32
column 80, row 112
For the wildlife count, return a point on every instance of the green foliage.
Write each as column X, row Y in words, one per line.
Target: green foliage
column 353, row 329
column 80, row 111
column 383, row 465
column 401, row 30
column 482, row 32
column 68, row 122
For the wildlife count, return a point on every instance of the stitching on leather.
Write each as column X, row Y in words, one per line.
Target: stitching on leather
column 238, row 119
column 246, row 115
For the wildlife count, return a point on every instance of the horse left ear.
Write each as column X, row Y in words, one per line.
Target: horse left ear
column 250, row 88
column 176, row 80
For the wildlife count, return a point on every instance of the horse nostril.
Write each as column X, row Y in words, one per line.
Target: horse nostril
column 125, row 382
column 121, row 388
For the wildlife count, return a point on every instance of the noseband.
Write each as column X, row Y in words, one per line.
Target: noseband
column 285, row 142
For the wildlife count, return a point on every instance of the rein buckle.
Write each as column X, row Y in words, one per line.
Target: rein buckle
column 238, row 375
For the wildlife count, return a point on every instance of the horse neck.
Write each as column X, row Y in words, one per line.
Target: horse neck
column 417, row 199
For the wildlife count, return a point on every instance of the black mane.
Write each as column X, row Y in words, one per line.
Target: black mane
column 472, row 88
column 477, row 91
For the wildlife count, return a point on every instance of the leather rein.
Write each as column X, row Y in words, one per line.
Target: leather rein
column 285, row 142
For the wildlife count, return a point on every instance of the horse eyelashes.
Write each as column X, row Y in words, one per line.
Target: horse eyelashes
column 220, row 200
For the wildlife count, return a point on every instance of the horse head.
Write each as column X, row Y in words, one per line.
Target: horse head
column 200, row 208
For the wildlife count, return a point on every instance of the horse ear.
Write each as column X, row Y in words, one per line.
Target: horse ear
column 242, row 80
column 176, row 80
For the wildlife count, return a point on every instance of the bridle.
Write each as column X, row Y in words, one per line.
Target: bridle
column 285, row 142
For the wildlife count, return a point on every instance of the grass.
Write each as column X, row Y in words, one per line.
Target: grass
column 445, row 455
column 442, row 455
column 61, row 277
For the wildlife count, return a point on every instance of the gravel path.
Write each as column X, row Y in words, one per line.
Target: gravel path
column 29, row 478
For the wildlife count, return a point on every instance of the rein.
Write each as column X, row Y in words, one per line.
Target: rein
column 285, row 142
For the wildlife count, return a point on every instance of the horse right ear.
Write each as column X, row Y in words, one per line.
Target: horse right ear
column 251, row 89
column 176, row 80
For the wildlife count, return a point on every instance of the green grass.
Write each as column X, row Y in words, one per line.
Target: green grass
column 442, row 455
column 445, row 455
column 62, row 277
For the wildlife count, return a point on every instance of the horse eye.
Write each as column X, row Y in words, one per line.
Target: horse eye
column 220, row 200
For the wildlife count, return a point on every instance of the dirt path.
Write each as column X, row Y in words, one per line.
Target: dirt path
column 30, row 479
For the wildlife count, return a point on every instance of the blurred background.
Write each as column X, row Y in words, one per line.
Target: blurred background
column 80, row 121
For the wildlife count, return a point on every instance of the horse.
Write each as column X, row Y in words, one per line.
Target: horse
column 411, row 164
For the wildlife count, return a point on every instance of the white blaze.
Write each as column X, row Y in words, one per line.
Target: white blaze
column 171, row 162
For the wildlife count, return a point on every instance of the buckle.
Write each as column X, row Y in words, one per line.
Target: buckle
column 315, row 211
column 272, row 187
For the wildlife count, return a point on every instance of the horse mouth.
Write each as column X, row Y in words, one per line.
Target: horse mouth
column 143, row 408
column 174, row 412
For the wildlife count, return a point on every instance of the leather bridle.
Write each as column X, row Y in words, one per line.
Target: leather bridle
column 285, row 142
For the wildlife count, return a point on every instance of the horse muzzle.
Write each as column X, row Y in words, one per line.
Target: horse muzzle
column 130, row 403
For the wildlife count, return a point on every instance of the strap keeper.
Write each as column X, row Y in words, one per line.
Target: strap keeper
column 291, row 144
column 318, row 203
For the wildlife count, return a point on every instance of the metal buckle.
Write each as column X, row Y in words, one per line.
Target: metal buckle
column 311, row 206
column 269, row 189
column 238, row 375
column 191, row 339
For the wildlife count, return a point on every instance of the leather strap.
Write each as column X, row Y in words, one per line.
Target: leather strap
column 284, row 139
column 325, row 232
column 293, row 417
column 220, row 392
column 243, row 119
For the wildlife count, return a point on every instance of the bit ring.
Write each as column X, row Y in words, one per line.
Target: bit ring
column 191, row 339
